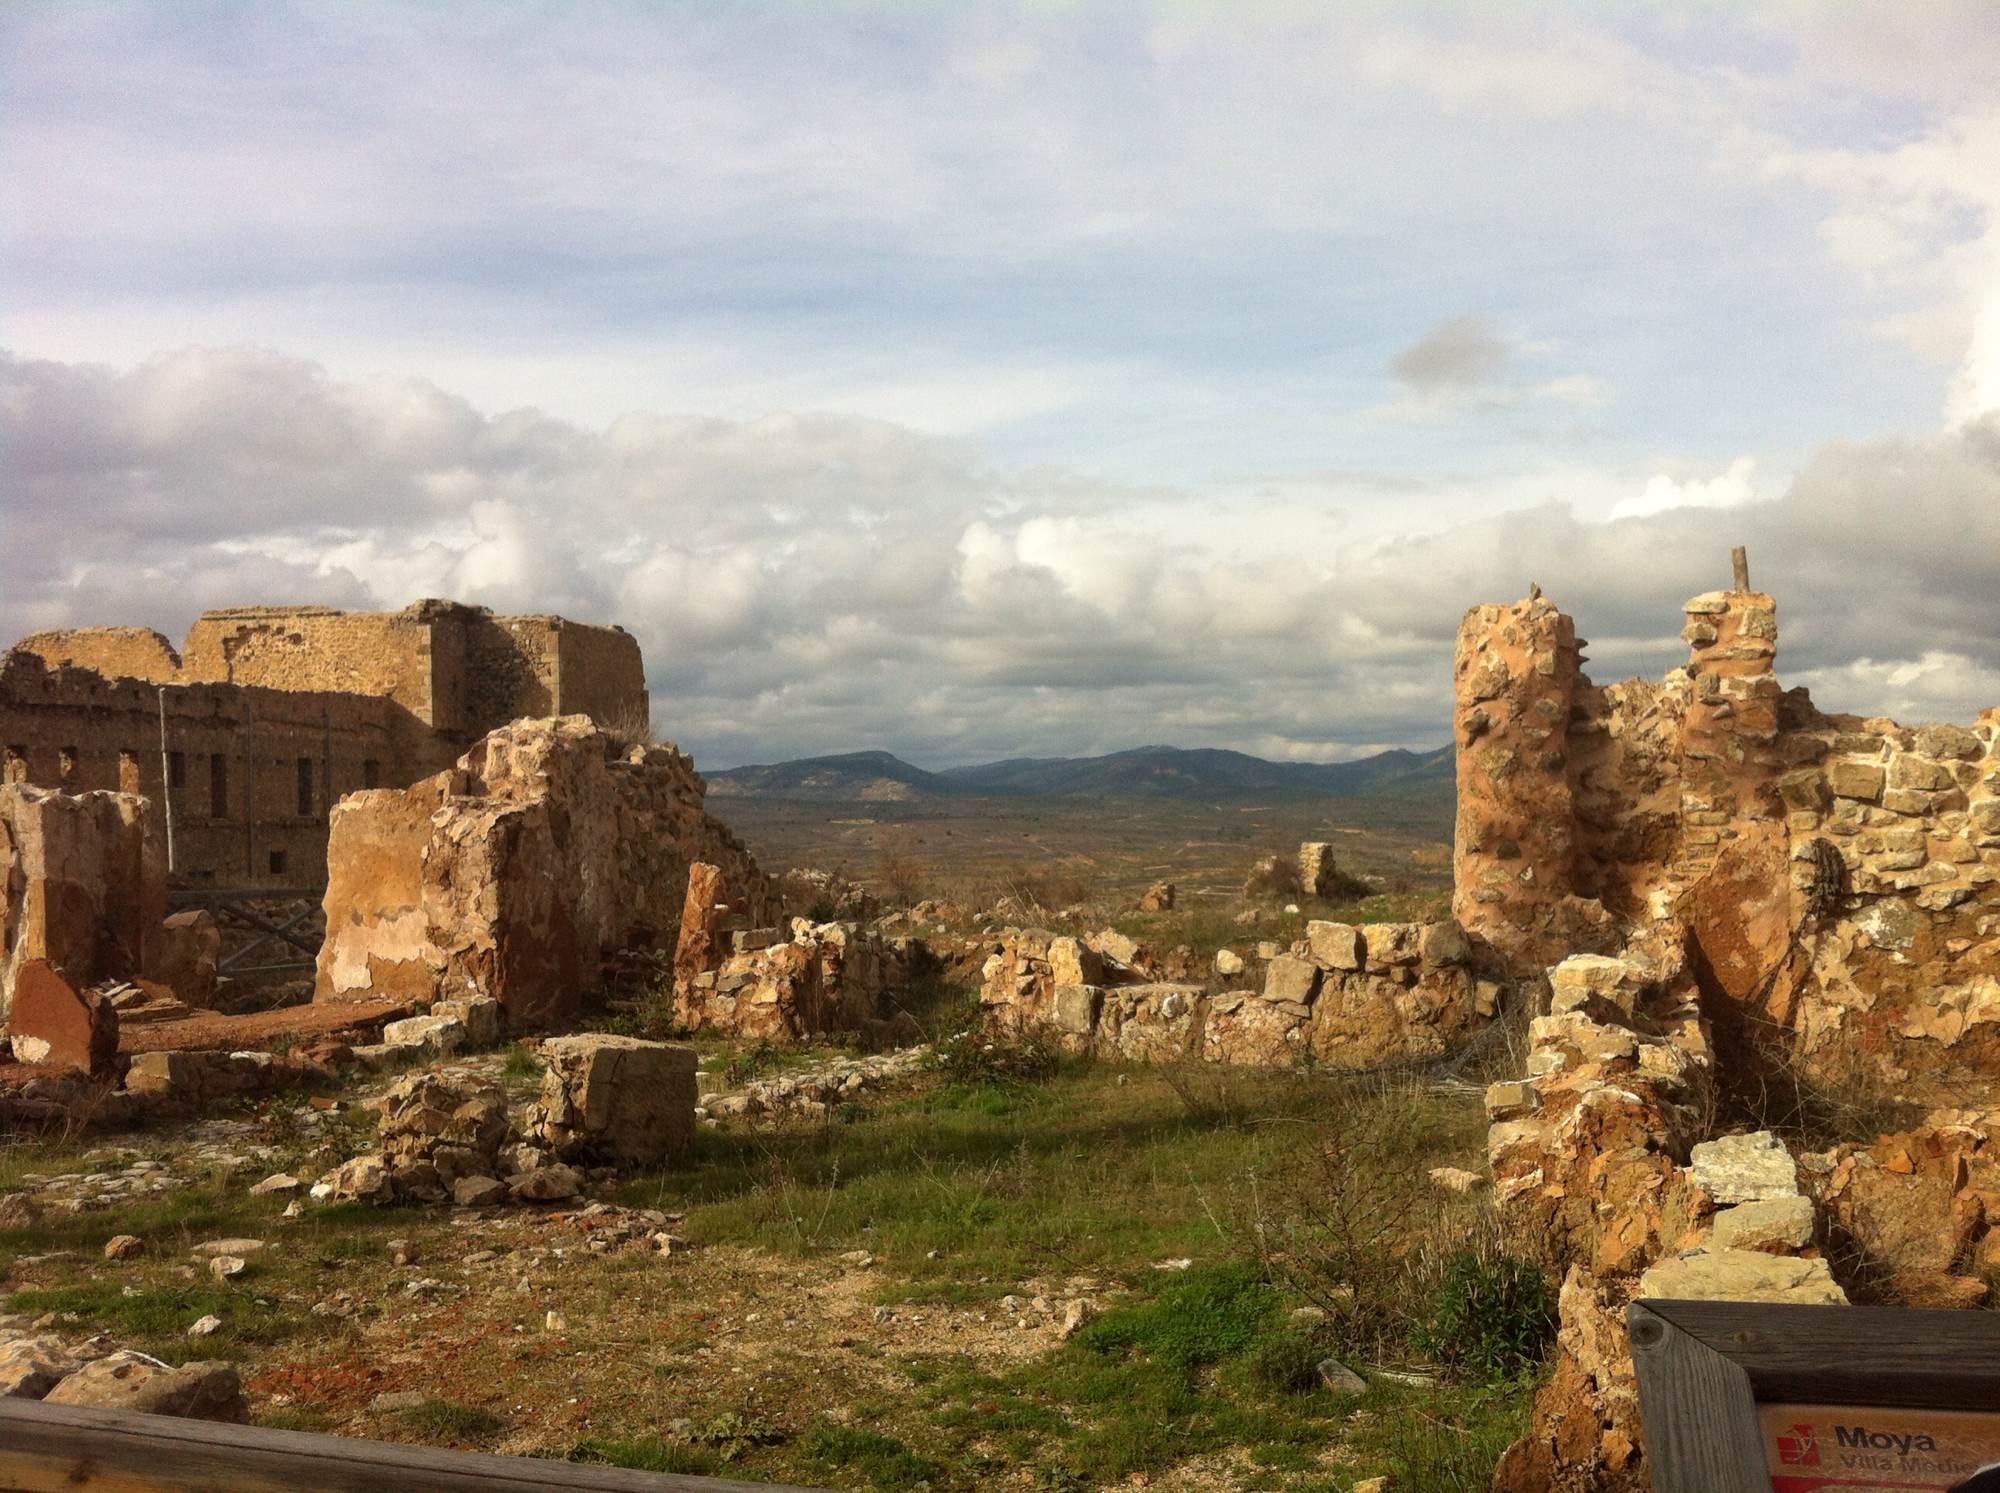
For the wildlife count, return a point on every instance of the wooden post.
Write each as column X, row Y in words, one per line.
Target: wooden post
column 1739, row 559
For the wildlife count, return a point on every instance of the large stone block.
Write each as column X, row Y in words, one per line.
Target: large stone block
column 627, row 1100
column 82, row 885
column 190, row 947
column 53, row 1022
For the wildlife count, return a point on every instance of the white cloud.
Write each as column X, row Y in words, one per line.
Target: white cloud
column 804, row 583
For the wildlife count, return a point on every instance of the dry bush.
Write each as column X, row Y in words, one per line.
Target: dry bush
column 630, row 726
column 1816, row 1106
column 1043, row 890
column 1274, row 876
column 902, row 880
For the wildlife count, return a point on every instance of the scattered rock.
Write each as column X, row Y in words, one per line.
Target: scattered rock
column 227, row 1267
column 277, row 1182
column 129, row 1381
column 124, row 1247
column 1339, row 1378
column 1456, row 1179
column 1076, row 1315
column 550, row 1184
column 205, row 1326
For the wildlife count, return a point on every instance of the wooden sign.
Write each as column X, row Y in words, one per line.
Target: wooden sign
column 1749, row 1397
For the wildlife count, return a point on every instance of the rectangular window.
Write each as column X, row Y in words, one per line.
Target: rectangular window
column 371, row 773
column 67, row 761
column 277, row 863
column 128, row 772
column 177, row 769
column 218, row 786
column 305, row 786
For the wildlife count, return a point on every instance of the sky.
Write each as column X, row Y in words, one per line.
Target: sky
column 984, row 380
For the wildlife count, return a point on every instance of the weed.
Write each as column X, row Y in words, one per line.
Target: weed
column 1288, row 1363
column 647, row 1454
column 521, row 1065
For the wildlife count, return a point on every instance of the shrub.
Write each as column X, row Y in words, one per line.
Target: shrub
column 1492, row 1319
column 1206, row 1314
column 1288, row 1363
column 977, row 1059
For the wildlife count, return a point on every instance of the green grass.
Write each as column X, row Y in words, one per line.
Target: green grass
column 446, row 1420
column 883, row 1460
column 647, row 1454
column 157, row 1320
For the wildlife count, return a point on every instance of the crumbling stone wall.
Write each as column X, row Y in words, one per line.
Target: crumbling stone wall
column 1771, row 885
column 82, row 885
column 824, row 977
column 1344, row 996
column 1839, row 877
column 518, row 871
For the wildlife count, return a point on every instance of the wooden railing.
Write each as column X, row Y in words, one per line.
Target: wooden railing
column 64, row 1449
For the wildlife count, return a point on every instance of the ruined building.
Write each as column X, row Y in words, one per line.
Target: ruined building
column 247, row 737
column 1745, row 907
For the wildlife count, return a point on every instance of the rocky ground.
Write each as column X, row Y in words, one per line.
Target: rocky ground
column 896, row 1271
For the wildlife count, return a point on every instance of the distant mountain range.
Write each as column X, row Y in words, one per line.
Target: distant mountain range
column 1153, row 771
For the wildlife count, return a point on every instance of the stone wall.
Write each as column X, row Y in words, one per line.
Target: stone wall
column 1728, row 888
column 825, row 977
column 1342, row 997
column 271, row 714
column 82, row 885
column 1840, row 877
column 516, row 873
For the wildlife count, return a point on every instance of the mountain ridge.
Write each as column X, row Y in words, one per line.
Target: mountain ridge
column 1148, row 771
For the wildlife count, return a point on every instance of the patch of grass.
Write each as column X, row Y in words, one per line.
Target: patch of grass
column 883, row 1460
column 647, row 1454
column 521, row 1065
column 157, row 1320
column 447, row 1420
column 295, row 1418
column 1439, row 1441
column 1201, row 1315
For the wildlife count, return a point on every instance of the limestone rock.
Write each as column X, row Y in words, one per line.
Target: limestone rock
column 1742, row 1275
column 1338, row 1378
column 1318, row 874
column 627, row 1100
column 478, row 1192
column 1745, row 1168
column 124, row 1247
column 1228, row 963
column 1159, row 897
column 190, row 946
column 1336, row 945
column 554, row 1183
column 32, row 1366
column 1775, row 1225
column 1289, row 978
column 125, row 1381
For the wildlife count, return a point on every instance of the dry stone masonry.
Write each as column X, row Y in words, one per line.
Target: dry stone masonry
column 1344, row 996
column 1720, row 882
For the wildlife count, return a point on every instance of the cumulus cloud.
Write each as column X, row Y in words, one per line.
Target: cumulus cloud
column 817, row 583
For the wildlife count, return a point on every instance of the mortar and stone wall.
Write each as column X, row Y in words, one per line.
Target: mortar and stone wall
column 271, row 714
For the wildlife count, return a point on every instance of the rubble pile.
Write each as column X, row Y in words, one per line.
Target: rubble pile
column 783, row 984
